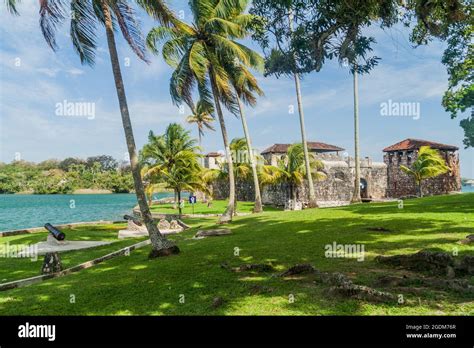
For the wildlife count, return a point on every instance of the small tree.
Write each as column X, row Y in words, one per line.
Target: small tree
column 292, row 169
column 202, row 117
column 429, row 164
column 171, row 159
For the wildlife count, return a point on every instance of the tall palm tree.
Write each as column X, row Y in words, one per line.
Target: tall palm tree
column 293, row 169
column 428, row 164
column 356, row 195
column 202, row 117
column 85, row 16
column 309, row 178
column 198, row 52
column 245, row 85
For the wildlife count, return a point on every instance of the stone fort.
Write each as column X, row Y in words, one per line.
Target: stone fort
column 379, row 180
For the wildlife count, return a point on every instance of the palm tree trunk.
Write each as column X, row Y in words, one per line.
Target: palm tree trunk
column 293, row 196
column 312, row 196
column 229, row 212
column 160, row 245
column 356, row 195
column 258, row 198
column 180, row 210
column 200, row 146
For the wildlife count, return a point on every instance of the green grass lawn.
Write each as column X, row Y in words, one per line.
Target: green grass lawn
column 217, row 207
column 19, row 268
column 133, row 285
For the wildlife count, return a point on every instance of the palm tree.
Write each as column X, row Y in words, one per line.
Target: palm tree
column 242, row 169
column 245, row 84
column 198, row 53
column 183, row 175
column 202, row 117
column 356, row 195
column 309, row 178
column 162, row 152
column 85, row 17
column 428, row 164
column 293, row 169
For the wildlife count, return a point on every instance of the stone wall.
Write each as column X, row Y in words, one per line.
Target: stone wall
column 244, row 190
column 338, row 185
column 401, row 184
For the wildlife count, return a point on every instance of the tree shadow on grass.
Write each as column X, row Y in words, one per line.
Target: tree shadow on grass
column 459, row 203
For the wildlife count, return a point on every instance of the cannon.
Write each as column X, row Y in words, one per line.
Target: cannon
column 134, row 219
column 57, row 234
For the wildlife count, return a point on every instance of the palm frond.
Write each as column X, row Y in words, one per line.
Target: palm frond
column 159, row 11
column 11, row 6
column 182, row 82
column 130, row 27
column 226, row 8
column 82, row 31
column 52, row 14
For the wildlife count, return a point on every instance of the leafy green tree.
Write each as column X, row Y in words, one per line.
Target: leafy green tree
column 298, row 36
column 85, row 17
column 118, row 182
column 325, row 28
column 48, row 164
column 198, row 53
column 68, row 162
column 8, row 184
column 105, row 162
column 428, row 164
column 452, row 22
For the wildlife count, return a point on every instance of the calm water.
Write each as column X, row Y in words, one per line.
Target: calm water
column 468, row 188
column 25, row 211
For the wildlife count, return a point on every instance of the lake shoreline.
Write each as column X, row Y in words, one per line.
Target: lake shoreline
column 29, row 211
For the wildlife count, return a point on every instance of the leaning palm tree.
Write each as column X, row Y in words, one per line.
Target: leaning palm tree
column 198, row 53
column 428, row 164
column 292, row 168
column 85, row 17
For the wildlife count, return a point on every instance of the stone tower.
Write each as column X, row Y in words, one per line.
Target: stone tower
column 400, row 184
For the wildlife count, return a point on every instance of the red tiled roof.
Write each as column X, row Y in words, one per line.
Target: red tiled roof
column 415, row 144
column 312, row 145
column 213, row 154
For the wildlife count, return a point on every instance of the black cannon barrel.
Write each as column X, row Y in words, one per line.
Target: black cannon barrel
column 134, row 219
column 55, row 232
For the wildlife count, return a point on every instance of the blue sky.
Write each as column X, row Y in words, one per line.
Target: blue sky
column 33, row 79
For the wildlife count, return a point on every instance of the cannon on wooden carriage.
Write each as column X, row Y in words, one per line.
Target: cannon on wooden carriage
column 57, row 234
column 135, row 220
